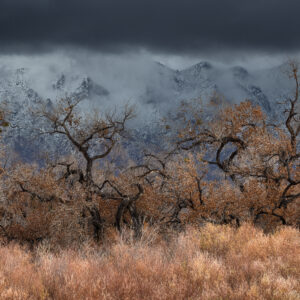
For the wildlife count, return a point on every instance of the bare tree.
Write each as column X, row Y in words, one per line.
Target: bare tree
column 248, row 149
column 94, row 138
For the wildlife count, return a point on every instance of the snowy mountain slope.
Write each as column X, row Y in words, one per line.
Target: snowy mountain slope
column 156, row 92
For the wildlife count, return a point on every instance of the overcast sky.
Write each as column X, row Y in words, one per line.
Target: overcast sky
column 106, row 38
column 172, row 27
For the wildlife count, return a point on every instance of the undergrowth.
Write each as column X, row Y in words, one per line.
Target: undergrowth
column 213, row 262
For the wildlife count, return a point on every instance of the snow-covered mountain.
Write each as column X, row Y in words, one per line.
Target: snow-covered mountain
column 156, row 92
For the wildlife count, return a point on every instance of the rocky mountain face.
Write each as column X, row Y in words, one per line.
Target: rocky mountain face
column 157, row 95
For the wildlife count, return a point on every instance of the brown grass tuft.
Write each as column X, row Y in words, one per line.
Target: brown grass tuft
column 216, row 262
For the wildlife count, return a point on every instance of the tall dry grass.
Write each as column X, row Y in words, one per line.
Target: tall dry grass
column 212, row 263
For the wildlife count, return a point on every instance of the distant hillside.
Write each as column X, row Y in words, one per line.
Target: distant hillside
column 156, row 93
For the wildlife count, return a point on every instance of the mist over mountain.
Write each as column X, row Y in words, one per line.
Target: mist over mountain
column 155, row 90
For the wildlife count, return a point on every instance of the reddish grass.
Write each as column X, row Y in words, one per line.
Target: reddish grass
column 212, row 263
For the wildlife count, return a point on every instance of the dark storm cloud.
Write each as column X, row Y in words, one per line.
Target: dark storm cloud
column 177, row 26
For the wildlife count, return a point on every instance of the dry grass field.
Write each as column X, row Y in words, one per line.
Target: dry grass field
column 214, row 262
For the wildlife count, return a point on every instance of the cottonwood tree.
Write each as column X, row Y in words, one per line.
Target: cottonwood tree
column 173, row 189
column 278, row 164
column 261, row 159
column 94, row 138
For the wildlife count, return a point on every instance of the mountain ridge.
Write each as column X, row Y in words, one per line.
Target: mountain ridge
column 157, row 97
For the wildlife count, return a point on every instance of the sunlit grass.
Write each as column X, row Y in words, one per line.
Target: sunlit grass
column 216, row 262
